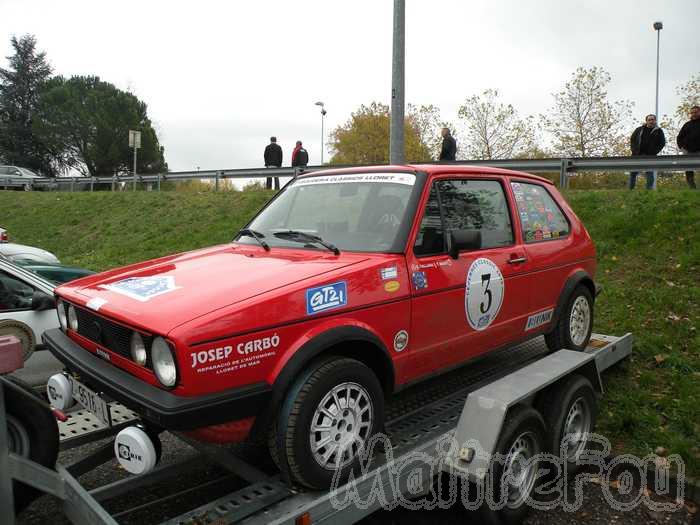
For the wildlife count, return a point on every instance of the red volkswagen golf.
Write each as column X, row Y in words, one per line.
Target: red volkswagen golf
column 348, row 286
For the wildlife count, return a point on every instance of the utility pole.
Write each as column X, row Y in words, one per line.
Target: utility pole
column 323, row 116
column 397, row 154
column 658, row 26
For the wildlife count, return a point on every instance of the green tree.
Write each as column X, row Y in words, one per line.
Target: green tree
column 689, row 94
column 364, row 138
column 492, row 129
column 20, row 86
column 86, row 122
column 583, row 122
column 428, row 123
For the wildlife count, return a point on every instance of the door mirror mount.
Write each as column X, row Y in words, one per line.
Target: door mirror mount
column 459, row 240
column 42, row 301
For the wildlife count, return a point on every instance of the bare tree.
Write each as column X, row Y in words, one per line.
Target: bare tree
column 689, row 94
column 428, row 122
column 583, row 122
column 491, row 129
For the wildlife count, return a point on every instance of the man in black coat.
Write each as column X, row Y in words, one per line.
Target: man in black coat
column 647, row 139
column 273, row 159
column 689, row 140
column 449, row 145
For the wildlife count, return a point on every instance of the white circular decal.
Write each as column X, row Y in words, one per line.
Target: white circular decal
column 484, row 293
column 400, row 340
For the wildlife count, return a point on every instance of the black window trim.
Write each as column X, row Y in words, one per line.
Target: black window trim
column 499, row 180
column 563, row 213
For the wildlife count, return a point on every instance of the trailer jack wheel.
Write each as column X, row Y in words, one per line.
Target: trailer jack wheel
column 514, row 472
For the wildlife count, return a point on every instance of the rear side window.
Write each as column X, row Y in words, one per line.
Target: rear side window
column 540, row 216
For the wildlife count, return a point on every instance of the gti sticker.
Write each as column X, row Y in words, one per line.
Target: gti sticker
column 539, row 319
column 96, row 303
column 420, row 280
column 391, row 272
column 326, row 297
column 484, row 293
column 143, row 288
column 406, row 179
column 401, row 340
column 392, row 286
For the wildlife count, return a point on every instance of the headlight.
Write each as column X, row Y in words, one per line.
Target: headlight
column 62, row 319
column 163, row 362
column 138, row 349
column 72, row 318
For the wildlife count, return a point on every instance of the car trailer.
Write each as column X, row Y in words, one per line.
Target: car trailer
column 456, row 423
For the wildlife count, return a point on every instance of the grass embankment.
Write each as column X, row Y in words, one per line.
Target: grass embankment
column 649, row 264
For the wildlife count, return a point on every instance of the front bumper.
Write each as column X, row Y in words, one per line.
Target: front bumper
column 157, row 406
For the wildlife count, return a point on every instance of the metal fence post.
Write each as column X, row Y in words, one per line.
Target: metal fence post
column 113, row 176
column 72, row 184
column 216, row 181
column 564, row 174
column 92, row 182
column 159, row 182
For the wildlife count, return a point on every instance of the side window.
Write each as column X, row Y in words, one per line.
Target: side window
column 477, row 205
column 14, row 294
column 540, row 215
column 431, row 238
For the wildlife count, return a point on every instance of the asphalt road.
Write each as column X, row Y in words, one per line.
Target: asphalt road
column 38, row 368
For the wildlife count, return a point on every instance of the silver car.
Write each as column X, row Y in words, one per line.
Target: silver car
column 16, row 177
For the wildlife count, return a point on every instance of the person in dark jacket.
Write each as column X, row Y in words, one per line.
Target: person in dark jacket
column 300, row 157
column 273, row 159
column 689, row 141
column 449, row 145
column 647, row 139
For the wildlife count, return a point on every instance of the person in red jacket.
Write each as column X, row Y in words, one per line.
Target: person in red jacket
column 300, row 157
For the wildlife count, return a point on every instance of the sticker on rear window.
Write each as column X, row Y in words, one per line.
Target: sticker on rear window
column 326, row 297
column 143, row 288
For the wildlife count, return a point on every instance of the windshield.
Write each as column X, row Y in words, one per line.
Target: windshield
column 355, row 212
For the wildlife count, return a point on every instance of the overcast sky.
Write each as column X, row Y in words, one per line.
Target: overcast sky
column 220, row 77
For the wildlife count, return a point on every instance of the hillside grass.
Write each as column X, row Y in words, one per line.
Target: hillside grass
column 649, row 265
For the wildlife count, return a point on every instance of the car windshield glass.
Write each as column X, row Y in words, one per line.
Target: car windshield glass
column 354, row 212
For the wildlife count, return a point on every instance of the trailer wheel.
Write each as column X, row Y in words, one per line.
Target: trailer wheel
column 570, row 413
column 329, row 415
column 514, row 478
column 575, row 324
column 32, row 433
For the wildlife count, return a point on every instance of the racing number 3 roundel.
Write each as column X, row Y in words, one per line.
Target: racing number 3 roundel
column 484, row 293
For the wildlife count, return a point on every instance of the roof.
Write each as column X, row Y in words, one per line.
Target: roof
column 433, row 169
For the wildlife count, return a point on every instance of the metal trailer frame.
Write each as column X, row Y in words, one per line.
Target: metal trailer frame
column 428, row 429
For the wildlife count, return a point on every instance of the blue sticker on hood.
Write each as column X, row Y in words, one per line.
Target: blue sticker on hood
column 143, row 288
column 326, row 297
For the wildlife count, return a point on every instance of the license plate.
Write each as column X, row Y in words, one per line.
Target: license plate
column 92, row 402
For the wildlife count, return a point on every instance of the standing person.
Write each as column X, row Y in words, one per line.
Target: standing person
column 647, row 139
column 689, row 141
column 300, row 157
column 273, row 159
column 449, row 145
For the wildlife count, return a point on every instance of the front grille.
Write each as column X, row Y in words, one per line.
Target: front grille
column 106, row 333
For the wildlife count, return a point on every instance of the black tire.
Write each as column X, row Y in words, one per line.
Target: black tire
column 561, row 337
column 33, row 434
column 576, row 393
column 292, row 448
column 521, row 421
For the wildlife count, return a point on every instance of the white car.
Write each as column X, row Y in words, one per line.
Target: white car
column 19, row 252
column 27, row 306
column 22, row 178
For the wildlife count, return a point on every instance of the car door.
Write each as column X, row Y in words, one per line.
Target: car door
column 17, row 288
column 466, row 306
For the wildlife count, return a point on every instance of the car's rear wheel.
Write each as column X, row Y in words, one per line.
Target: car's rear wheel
column 575, row 324
column 327, row 419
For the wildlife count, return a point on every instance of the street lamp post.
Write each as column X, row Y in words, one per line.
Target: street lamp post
column 658, row 26
column 397, row 150
column 323, row 116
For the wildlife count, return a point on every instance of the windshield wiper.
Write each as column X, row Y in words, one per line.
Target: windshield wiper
column 299, row 236
column 255, row 235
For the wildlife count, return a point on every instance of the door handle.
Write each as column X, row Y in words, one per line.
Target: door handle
column 517, row 260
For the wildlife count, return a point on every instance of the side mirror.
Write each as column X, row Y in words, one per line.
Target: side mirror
column 41, row 301
column 463, row 240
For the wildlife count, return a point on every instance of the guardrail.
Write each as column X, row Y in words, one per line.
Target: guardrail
column 564, row 166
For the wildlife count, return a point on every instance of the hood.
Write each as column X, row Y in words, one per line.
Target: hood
column 162, row 294
column 17, row 252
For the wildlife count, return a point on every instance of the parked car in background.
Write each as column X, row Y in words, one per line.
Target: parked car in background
column 27, row 305
column 348, row 286
column 22, row 177
column 20, row 252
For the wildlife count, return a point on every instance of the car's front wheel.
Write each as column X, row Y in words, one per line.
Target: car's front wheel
column 575, row 324
column 327, row 419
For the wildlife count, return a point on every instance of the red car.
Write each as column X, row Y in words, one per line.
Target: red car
column 347, row 286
